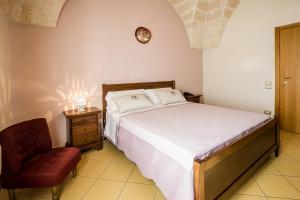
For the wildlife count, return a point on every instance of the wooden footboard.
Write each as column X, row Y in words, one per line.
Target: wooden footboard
column 217, row 173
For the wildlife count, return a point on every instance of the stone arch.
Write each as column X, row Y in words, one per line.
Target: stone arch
column 204, row 20
column 35, row 12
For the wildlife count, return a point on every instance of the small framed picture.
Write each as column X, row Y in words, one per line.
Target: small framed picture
column 143, row 35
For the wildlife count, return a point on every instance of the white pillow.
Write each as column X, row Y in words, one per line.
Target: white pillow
column 132, row 102
column 170, row 96
column 151, row 93
column 111, row 105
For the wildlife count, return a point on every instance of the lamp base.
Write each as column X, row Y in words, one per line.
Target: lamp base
column 81, row 109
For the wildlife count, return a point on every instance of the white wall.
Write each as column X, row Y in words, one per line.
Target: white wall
column 235, row 72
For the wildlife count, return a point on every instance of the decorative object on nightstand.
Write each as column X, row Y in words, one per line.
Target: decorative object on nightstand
column 80, row 103
column 192, row 97
column 84, row 129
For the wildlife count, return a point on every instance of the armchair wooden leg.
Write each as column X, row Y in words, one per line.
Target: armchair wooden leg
column 11, row 194
column 74, row 172
column 55, row 192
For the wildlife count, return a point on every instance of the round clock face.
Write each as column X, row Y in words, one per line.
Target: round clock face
column 143, row 35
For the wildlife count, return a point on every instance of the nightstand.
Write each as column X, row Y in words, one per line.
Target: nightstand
column 83, row 128
column 193, row 98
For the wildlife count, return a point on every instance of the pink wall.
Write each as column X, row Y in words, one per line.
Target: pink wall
column 4, row 74
column 94, row 43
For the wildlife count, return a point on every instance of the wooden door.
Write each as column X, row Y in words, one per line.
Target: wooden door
column 289, row 77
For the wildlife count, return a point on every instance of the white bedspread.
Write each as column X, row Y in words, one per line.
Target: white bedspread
column 181, row 133
column 113, row 119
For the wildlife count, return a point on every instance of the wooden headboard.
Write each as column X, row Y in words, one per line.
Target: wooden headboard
column 131, row 86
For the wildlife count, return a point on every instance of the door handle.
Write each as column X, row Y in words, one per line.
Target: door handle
column 285, row 79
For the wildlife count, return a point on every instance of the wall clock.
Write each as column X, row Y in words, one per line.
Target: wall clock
column 143, row 35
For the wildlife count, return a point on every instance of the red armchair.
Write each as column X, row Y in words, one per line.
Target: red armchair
column 28, row 160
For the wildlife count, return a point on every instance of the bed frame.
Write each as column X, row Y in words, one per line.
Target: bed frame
column 217, row 173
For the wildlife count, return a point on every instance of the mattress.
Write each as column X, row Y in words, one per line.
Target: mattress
column 176, row 135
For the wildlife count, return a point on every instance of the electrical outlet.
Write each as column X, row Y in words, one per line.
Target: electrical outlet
column 267, row 112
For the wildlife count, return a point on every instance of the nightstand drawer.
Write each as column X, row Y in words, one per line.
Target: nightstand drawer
column 84, row 120
column 83, row 130
column 87, row 139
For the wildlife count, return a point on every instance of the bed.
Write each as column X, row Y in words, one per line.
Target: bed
column 169, row 160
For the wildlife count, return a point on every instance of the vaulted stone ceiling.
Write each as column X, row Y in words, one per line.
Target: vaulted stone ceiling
column 204, row 20
column 36, row 12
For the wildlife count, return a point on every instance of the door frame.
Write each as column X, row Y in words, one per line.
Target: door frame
column 277, row 66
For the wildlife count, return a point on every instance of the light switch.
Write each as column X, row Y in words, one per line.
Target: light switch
column 268, row 84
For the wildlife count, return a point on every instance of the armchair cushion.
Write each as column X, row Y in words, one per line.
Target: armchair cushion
column 44, row 170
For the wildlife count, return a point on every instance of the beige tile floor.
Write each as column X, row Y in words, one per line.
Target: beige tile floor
column 109, row 175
